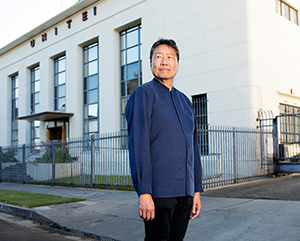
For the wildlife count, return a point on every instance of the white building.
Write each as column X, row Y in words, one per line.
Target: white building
column 71, row 76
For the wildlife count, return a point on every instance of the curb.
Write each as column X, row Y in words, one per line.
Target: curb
column 36, row 216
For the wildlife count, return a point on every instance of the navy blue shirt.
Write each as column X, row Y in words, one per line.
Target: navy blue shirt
column 163, row 144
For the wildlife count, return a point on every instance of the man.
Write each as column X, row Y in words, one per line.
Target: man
column 163, row 149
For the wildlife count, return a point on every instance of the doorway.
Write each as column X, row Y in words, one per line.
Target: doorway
column 55, row 133
column 57, row 130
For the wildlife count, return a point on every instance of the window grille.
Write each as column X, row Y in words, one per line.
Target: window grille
column 200, row 109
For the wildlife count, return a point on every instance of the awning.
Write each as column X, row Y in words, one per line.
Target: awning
column 46, row 116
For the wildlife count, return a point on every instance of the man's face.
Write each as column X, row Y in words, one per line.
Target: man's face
column 164, row 64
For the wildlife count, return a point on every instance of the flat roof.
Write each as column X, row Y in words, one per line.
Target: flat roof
column 46, row 116
column 77, row 7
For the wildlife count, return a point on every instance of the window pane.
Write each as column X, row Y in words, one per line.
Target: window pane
column 36, row 123
column 93, row 110
column 93, row 53
column 85, row 112
column 85, row 126
column 62, row 78
column 93, row 68
column 56, row 66
column 133, row 71
column 62, row 65
column 293, row 16
column 61, row 103
column 93, row 82
column 93, row 96
column 122, row 42
column 16, row 93
column 15, row 125
column 131, row 86
column 85, row 55
column 123, row 89
column 132, row 55
column 93, row 125
column 85, row 73
column 85, row 83
column 15, row 135
column 15, row 114
column 285, row 11
column 85, row 98
column 16, row 82
column 123, row 58
column 36, row 86
column 37, row 74
column 122, row 72
column 61, row 90
column 36, row 98
column 123, row 121
column 123, row 104
column 132, row 38
column 35, row 132
column 37, row 108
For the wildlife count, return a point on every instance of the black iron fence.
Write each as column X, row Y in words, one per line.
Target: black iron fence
column 232, row 155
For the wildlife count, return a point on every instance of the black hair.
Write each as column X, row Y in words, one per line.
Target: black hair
column 169, row 42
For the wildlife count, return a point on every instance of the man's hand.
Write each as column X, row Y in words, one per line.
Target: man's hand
column 146, row 207
column 196, row 206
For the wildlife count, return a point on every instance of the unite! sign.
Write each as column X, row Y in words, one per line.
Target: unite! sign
column 44, row 36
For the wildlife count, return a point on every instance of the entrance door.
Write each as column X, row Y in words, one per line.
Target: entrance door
column 55, row 133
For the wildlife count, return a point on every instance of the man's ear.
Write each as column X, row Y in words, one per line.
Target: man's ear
column 150, row 64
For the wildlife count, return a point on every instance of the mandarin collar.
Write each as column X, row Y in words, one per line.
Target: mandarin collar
column 162, row 86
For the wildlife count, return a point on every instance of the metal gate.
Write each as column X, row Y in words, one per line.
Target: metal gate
column 285, row 140
column 286, row 129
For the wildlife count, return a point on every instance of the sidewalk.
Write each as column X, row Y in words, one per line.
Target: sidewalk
column 113, row 214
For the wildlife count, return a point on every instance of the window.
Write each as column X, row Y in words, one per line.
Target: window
column 60, row 83
column 15, row 110
column 288, row 109
column 200, row 109
column 131, row 66
column 35, row 104
column 90, row 91
column 287, row 11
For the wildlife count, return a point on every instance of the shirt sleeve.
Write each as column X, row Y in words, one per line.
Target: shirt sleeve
column 138, row 115
column 197, row 162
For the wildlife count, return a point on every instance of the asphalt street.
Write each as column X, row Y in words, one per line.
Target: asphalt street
column 285, row 188
column 14, row 228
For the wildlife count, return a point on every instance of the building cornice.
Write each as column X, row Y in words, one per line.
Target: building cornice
column 77, row 7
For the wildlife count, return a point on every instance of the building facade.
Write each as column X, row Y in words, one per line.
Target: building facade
column 72, row 75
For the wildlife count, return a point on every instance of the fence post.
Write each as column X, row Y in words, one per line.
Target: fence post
column 24, row 164
column 275, row 146
column 261, row 145
column 92, row 161
column 53, row 163
column 234, row 155
column 0, row 163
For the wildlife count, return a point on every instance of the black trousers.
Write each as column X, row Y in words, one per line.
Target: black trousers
column 171, row 219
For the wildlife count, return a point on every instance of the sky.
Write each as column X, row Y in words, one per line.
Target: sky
column 20, row 16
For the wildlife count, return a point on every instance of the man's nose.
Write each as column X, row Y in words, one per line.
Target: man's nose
column 163, row 61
